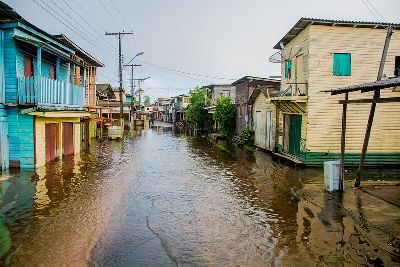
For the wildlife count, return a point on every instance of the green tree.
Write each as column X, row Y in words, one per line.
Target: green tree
column 147, row 101
column 225, row 116
column 196, row 112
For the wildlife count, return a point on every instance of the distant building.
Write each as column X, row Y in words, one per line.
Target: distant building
column 220, row 90
column 244, row 88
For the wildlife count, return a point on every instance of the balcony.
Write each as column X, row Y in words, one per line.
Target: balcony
column 293, row 99
column 178, row 105
column 49, row 94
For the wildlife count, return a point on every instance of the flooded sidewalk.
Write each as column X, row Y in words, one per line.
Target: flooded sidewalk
column 163, row 198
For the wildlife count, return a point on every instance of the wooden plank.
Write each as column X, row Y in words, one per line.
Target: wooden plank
column 369, row 101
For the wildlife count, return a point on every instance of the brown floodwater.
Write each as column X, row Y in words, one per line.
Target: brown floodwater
column 161, row 198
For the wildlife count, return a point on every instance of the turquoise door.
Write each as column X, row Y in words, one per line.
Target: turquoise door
column 294, row 134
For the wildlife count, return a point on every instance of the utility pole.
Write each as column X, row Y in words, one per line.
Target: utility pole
column 139, row 81
column 121, row 105
column 377, row 94
column 132, row 85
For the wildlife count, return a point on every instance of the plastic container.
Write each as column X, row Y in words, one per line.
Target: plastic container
column 332, row 175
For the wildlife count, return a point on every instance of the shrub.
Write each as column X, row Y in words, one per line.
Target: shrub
column 246, row 137
column 196, row 112
column 225, row 116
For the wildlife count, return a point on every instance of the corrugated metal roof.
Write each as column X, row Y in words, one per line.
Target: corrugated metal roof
column 304, row 22
column 393, row 82
column 252, row 78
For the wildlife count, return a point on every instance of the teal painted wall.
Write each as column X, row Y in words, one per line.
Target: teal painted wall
column 21, row 137
column 351, row 159
column 2, row 92
column 10, row 77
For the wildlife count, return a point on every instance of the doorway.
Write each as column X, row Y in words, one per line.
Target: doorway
column 292, row 134
column 68, row 138
column 52, row 138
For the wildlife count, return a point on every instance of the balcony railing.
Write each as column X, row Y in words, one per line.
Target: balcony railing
column 178, row 105
column 296, row 89
column 46, row 93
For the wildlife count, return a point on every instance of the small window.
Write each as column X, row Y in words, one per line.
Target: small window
column 288, row 69
column 341, row 64
column 397, row 66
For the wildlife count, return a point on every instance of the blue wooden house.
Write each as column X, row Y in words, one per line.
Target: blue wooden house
column 42, row 97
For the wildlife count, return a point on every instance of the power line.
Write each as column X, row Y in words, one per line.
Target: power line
column 89, row 25
column 89, row 15
column 66, row 13
column 109, row 13
column 123, row 20
column 377, row 12
column 57, row 18
column 185, row 72
column 373, row 14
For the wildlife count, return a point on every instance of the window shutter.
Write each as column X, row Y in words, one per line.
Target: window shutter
column 341, row 64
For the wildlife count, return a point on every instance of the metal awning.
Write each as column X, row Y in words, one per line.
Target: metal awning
column 366, row 87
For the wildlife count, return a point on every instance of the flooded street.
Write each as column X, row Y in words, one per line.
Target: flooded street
column 161, row 198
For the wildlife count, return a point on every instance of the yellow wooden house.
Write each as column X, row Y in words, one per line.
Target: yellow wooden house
column 317, row 55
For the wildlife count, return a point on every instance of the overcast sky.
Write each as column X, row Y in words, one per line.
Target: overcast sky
column 220, row 38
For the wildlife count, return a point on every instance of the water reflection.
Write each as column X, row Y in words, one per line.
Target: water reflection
column 164, row 197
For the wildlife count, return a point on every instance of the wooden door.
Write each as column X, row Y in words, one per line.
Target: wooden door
column 268, row 130
column 68, row 138
column 286, row 130
column 28, row 66
column 295, row 135
column 258, row 134
column 52, row 145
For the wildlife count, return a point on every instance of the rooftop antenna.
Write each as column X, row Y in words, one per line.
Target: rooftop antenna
column 284, row 54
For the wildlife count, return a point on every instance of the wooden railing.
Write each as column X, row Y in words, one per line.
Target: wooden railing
column 47, row 93
column 296, row 89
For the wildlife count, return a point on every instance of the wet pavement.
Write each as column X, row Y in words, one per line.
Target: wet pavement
column 162, row 198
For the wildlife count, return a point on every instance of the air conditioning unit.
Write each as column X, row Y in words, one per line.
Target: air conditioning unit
column 332, row 175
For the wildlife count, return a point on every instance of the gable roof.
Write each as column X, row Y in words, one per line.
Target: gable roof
column 268, row 91
column 252, row 78
column 305, row 22
column 79, row 51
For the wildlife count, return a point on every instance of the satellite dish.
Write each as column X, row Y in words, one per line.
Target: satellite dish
column 276, row 57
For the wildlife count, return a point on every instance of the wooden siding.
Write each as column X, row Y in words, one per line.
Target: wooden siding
column 264, row 105
column 324, row 112
column 10, row 65
column 21, row 138
column 302, row 41
column 40, row 124
column 2, row 88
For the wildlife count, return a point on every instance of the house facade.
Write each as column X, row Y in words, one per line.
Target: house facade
column 179, row 105
column 265, row 116
column 244, row 88
column 42, row 99
column 322, row 54
column 85, row 73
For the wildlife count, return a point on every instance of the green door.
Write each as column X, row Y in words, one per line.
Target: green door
column 294, row 134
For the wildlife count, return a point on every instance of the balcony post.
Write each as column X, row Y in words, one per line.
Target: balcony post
column 38, row 87
column 58, row 64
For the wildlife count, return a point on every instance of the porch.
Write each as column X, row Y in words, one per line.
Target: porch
column 48, row 94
